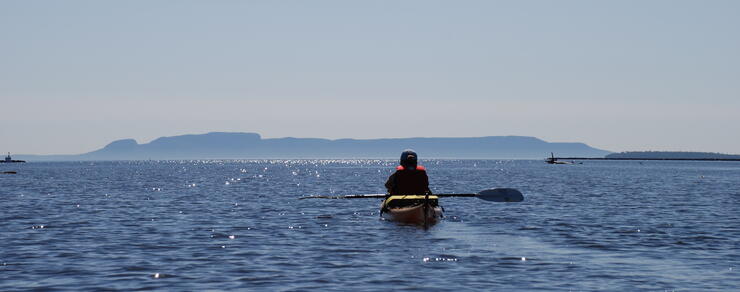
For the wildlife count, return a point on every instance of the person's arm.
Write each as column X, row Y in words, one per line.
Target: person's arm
column 390, row 184
column 426, row 183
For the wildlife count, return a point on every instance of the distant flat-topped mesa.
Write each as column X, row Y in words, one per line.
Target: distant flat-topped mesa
column 220, row 145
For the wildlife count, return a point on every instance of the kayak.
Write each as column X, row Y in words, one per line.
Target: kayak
column 412, row 209
column 425, row 210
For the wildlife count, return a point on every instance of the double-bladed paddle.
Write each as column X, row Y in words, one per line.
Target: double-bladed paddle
column 494, row 195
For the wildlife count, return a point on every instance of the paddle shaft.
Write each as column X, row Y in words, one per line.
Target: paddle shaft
column 371, row 196
column 494, row 195
column 455, row 195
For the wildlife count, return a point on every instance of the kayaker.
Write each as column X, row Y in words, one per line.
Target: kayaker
column 409, row 178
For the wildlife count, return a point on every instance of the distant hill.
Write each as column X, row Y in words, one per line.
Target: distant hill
column 220, row 145
column 671, row 155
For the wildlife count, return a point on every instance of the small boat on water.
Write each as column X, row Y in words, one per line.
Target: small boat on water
column 10, row 160
column 412, row 209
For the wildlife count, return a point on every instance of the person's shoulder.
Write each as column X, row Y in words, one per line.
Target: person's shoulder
column 418, row 167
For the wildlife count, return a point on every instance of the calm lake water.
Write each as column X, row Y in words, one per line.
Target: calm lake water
column 229, row 225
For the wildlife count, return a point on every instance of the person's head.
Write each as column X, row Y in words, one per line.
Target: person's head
column 409, row 159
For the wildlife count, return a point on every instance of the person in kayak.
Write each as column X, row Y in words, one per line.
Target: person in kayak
column 409, row 178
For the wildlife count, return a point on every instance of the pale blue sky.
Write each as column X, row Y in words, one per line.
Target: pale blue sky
column 617, row 75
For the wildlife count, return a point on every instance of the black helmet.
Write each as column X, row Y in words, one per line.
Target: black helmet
column 409, row 159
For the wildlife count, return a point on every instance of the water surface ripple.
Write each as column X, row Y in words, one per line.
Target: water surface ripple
column 227, row 225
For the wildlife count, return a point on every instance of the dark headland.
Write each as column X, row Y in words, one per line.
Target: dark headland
column 672, row 155
column 661, row 155
column 220, row 145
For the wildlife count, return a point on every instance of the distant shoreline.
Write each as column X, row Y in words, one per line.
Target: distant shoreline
column 663, row 159
column 229, row 145
column 661, row 155
column 672, row 155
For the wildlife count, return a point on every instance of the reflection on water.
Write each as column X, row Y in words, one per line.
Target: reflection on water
column 196, row 225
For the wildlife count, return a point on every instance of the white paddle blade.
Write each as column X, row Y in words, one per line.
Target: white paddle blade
column 501, row 195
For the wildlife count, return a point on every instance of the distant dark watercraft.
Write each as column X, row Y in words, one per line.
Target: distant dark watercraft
column 10, row 160
column 553, row 160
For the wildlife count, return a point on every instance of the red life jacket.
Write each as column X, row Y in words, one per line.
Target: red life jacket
column 408, row 181
column 418, row 167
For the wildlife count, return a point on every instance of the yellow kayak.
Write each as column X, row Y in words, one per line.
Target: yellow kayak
column 412, row 209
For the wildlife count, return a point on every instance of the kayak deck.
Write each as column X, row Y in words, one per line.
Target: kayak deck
column 412, row 209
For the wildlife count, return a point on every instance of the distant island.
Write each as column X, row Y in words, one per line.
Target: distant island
column 670, row 155
column 222, row 145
